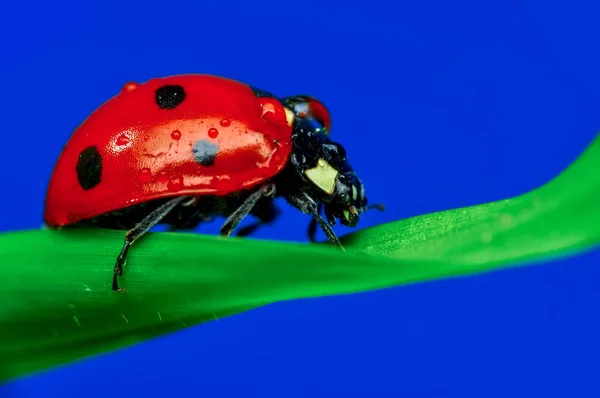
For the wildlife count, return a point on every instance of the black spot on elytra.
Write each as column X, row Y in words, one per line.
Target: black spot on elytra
column 261, row 93
column 205, row 152
column 89, row 168
column 168, row 97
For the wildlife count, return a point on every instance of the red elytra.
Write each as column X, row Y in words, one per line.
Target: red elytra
column 220, row 138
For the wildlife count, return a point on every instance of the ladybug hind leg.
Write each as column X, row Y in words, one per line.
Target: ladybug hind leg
column 249, row 204
column 139, row 230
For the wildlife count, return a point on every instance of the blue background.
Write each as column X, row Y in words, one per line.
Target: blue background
column 440, row 104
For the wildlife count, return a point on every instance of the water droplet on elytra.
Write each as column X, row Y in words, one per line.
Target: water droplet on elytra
column 129, row 87
column 146, row 138
column 213, row 132
column 176, row 134
column 270, row 110
column 145, row 174
column 175, row 184
column 225, row 122
column 162, row 177
column 122, row 140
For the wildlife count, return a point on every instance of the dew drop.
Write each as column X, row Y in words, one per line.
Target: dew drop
column 176, row 134
column 225, row 122
column 213, row 132
column 162, row 177
column 145, row 138
column 129, row 87
column 175, row 184
column 266, row 109
column 122, row 140
column 271, row 110
column 145, row 174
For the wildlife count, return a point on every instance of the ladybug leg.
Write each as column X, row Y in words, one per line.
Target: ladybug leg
column 312, row 227
column 140, row 229
column 307, row 205
column 246, row 207
column 266, row 212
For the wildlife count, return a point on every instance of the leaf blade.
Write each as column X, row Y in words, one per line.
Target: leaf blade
column 57, row 305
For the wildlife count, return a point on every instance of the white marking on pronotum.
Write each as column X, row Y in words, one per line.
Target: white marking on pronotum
column 159, row 317
column 76, row 321
column 124, row 317
column 323, row 175
column 183, row 323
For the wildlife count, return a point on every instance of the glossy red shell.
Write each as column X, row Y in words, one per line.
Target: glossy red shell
column 147, row 152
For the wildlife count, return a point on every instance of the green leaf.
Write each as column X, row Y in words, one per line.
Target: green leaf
column 57, row 305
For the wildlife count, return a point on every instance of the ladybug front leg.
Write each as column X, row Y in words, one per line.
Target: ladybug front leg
column 267, row 190
column 312, row 227
column 140, row 229
column 307, row 205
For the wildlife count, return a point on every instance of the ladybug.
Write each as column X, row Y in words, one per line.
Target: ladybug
column 182, row 149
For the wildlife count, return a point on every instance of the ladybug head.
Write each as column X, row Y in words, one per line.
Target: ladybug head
column 327, row 175
column 322, row 164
